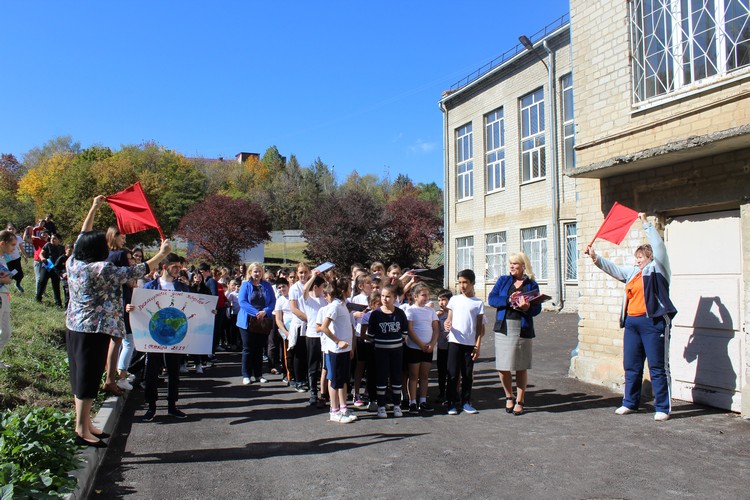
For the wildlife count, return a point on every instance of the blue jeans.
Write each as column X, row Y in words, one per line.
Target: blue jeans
column 646, row 338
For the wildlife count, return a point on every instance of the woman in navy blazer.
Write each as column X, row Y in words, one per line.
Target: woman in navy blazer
column 257, row 299
column 514, row 328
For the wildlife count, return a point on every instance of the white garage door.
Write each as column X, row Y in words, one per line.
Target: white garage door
column 705, row 253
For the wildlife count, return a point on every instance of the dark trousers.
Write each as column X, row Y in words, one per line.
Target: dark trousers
column 299, row 352
column 313, row 363
column 275, row 345
column 252, row 353
column 371, row 371
column 44, row 276
column 389, row 366
column 646, row 338
column 233, row 331
column 460, row 363
column 16, row 265
column 154, row 363
column 442, row 368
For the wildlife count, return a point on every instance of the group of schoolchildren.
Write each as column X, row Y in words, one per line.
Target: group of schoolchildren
column 381, row 327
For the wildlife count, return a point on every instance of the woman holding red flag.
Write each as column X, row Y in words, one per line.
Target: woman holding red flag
column 646, row 313
column 95, row 315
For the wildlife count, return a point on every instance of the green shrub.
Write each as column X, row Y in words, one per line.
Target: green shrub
column 37, row 451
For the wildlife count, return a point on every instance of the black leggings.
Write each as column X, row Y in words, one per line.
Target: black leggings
column 313, row 363
column 299, row 351
column 389, row 366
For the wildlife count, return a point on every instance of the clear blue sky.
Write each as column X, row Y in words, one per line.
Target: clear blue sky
column 355, row 83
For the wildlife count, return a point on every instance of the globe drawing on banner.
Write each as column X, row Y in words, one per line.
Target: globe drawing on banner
column 168, row 326
column 172, row 322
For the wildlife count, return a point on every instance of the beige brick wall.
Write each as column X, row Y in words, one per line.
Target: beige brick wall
column 518, row 205
column 608, row 125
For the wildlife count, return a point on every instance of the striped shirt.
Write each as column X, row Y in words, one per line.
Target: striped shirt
column 387, row 330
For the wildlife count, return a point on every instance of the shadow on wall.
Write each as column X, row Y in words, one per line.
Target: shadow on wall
column 708, row 345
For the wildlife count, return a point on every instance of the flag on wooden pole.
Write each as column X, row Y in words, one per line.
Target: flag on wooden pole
column 132, row 210
column 617, row 224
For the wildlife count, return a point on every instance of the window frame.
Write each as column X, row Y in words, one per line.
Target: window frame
column 673, row 52
column 528, row 244
column 468, row 247
column 494, row 154
column 571, row 244
column 465, row 161
column 533, row 143
column 501, row 248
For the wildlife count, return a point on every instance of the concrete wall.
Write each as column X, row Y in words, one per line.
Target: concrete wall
column 518, row 205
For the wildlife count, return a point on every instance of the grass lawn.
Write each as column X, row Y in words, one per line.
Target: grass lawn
column 36, row 352
column 275, row 253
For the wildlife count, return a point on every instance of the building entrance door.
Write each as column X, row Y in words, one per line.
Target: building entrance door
column 707, row 344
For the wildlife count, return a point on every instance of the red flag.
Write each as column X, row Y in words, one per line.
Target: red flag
column 132, row 210
column 617, row 224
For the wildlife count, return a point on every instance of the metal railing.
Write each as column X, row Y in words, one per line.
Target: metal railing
column 509, row 54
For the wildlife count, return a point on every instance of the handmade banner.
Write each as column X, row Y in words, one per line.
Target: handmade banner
column 172, row 322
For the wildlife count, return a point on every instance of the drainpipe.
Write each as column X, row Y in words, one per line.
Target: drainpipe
column 555, row 174
column 446, row 241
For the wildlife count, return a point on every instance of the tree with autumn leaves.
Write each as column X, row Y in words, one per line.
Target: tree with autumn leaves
column 362, row 219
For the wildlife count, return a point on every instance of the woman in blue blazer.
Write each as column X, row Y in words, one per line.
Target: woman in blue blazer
column 514, row 328
column 257, row 300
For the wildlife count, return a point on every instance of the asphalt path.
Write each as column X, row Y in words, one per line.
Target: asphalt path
column 266, row 442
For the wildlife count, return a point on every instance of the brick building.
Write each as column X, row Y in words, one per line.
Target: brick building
column 508, row 137
column 662, row 100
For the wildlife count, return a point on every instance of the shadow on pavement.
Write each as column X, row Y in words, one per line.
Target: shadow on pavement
column 261, row 450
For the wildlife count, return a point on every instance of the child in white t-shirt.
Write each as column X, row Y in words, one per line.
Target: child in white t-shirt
column 338, row 337
column 364, row 288
column 465, row 326
column 312, row 301
column 420, row 344
column 282, row 314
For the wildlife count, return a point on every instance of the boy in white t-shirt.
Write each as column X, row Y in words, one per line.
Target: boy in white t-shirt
column 283, row 315
column 465, row 326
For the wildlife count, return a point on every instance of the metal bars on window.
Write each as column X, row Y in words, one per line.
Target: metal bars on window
column 675, row 43
column 495, row 254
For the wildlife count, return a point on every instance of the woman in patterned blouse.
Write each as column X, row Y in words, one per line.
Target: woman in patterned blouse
column 94, row 315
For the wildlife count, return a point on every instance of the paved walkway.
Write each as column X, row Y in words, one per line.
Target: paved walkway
column 265, row 442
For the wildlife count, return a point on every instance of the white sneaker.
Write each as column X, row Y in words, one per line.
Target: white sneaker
column 130, row 378
column 246, row 381
column 263, row 380
column 340, row 418
column 253, row 379
column 660, row 416
column 397, row 411
column 624, row 410
column 4, row 366
column 124, row 385
column 199, row 369
column 381, row 412
column 350, row 414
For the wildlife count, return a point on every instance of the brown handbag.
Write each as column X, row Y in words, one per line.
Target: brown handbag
column 259, row 326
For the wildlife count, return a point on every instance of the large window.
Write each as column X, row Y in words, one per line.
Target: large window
column 675, row 43
column 568, row 125
column 494, row 131
column 533, row 164
column 496, row 255
column 464, row 163
column 464, row 253
column 571, row 252
column 534, row 244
